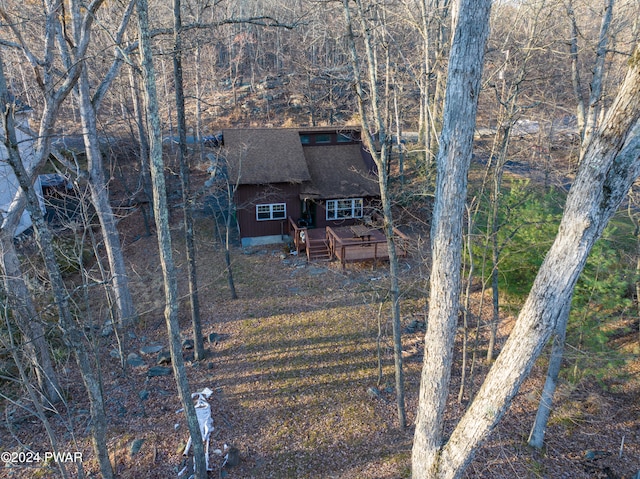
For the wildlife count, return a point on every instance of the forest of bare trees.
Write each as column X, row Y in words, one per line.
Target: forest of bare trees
column 130, row 96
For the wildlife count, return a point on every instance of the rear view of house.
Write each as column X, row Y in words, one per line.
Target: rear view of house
column 315, row 177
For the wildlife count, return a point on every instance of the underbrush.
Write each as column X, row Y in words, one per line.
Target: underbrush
column 603, row 299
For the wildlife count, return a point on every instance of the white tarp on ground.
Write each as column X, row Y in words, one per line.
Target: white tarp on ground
column 203, row 413
column 8, row 181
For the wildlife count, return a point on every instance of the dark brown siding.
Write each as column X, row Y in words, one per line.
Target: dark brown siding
column 248, row 196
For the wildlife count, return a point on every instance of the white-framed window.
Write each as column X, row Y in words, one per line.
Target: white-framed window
column 273, row 211
column 344, row 209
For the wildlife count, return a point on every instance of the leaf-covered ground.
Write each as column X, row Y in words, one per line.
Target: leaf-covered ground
column 296, row 385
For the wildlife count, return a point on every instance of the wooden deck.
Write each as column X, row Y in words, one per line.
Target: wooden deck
column 347, row 244
column 351, row 244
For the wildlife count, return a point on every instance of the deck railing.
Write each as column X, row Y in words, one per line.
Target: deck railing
column 299, row 235
column 350, row 245
column 362, row 247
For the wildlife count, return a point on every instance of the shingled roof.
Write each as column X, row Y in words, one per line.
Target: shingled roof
column 338, row 171
column 261, row 156
column 276, row 155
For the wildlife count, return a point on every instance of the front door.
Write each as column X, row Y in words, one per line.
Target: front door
column 309, row 212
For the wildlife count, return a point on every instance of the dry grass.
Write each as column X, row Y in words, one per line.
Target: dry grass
column 291, row 378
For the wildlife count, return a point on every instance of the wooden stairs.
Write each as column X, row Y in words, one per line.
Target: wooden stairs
column 317, row 246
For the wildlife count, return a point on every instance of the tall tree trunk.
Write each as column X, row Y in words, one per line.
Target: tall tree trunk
column 72, row 334
column 25, row 313
column 381, row 159
column 466, row 311
column 495, row 227
column 227, row 244
column 595, row 96
column 452, row 163
column 610, row 166
column 194, row 300
column 138, row 110
column 27, row 318
column 198, row 87
column 536, row 437
column 100, row 199
column 164, row 240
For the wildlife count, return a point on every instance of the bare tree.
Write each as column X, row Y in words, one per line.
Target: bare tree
column 223, row 194
column 381, row 157
column 588, row 111
column 54, row 88
column 517, row 53
column 588, row 118
column 38, row 407
column 97, row 182
column 71, row 331
column 452, row 163
column 164, row 238
column 610, row 165
column 185, row 182
column 24, row 311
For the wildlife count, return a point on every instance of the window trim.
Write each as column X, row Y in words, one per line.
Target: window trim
column 272, row 211
column 357, row 209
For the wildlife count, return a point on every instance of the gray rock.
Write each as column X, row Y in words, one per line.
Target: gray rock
column 591, row 454
column 158, row 371
column 416, row 325
column 151, row 349
column 135, row 446
column 114, row 353
column 143, row 395
column 164, row 358
column 232, row 458
column 187, row 344
column 107, row 330
column 134, row 360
